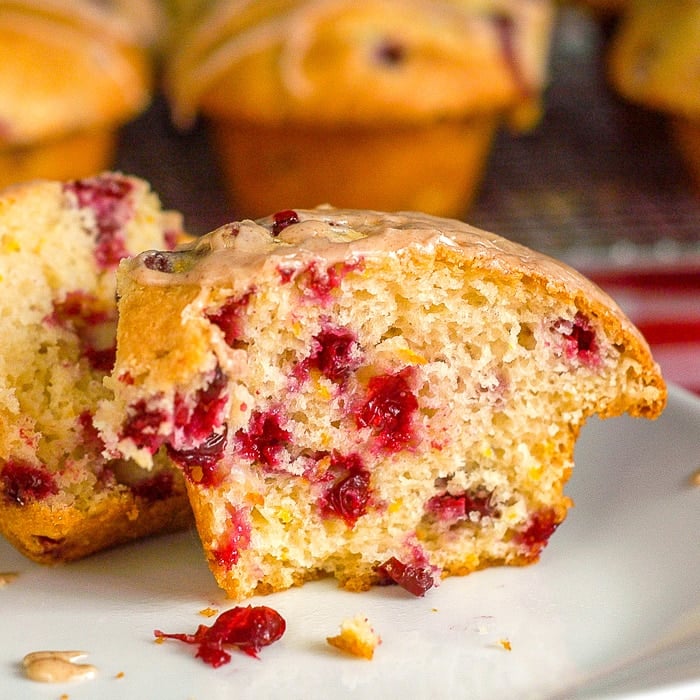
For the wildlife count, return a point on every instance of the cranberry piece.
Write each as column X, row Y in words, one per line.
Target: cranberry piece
column 264, row 439
column 237, row 538
column 199, row 422
column 389, row 410
column 158, row 261
column 451, row 508
column 229, row 317
column 282, row 219
column 349, row 495
column 108, row 197
column 249, row 629
column 539, row 529
column 156, row 488
column 23, row 482
column 101, row 360
column 335, row 354
column 318, row 284
column 286, row 274
column 417, row 580
column 205, row 456
column 579, row 339
column 142, row 426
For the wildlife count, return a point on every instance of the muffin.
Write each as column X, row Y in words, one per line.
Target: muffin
column 383, row 398
column 60, row 243
column 654, row 62
column 388, row 104
column 70, row 75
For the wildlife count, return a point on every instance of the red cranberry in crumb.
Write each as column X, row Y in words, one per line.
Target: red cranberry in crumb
column 158, row 487
column 349, row 495
column 229, row 317
column 282, row 219
column 237, row 538
column 389, row 409
column 108, row 197
column 101, row 360
column 539, row 529
column 198, row 422
column 249, row 629
column 23, row 482
column 318, row 284
column 142, row 426
column 335, row 354
column 264, row 439
column 205, row 456
column 449, row 508
column 579, row 339
column 417, row 580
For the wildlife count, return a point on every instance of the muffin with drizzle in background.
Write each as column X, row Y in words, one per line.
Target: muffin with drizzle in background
column 389, row 104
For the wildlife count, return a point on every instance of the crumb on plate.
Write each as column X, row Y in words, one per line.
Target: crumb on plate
column 357, row 637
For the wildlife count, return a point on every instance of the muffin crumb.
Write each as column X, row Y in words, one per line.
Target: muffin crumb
column 357, row 637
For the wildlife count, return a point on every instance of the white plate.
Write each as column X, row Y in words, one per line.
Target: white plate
column 611, row 610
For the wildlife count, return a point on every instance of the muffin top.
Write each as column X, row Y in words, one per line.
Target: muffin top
column 69, row 66
column 277, row 247
column 655, row 55
column 379, row 61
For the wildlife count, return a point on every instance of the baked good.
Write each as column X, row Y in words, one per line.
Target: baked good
column 60, row 243
column 653, row 62
column 388, row 104
column 356, row 637
column 378, row 397
column 71, row 73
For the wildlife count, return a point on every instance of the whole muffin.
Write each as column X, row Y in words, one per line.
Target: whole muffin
column 70, row 75
column 654, row 62
column 387, row 104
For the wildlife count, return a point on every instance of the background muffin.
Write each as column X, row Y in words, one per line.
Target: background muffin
column 388, row 104
column 70, row 75
column 654, row 62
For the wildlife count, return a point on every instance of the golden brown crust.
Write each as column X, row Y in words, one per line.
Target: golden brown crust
column 176, row 348
column 48, row 536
